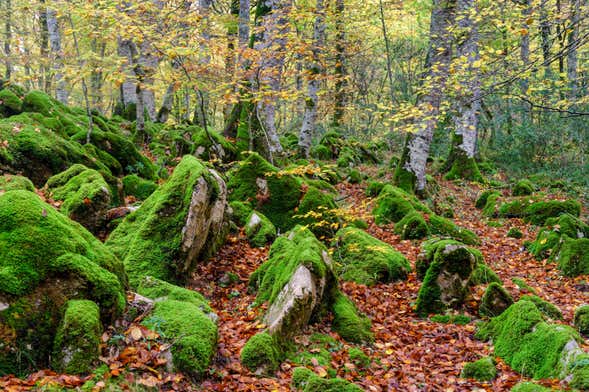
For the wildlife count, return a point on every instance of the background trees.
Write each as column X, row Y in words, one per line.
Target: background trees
column 508, row 79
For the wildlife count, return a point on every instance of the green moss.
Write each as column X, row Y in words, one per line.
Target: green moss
column 359, row 358
column 530, row 387
column 10, row 103
column 348, row 322
column 308, row 358
column 523, row 188
column 259, row 230
column 480, row 370
column 211, row 144
column 12, row 183
column 374, row 188
column 84, row 194
column 281, row 196
column 403, row 178
column 573, row 257
column 464, row 167
column 321, row 152
column 393, row 204
column 367, row 260
column 495, row 301
column 481, row 202
column 457, row 263
column 582, row 319
column 316, row 210
column 149, row 240
column 491, row 205
column 445, row 227
column 515, row 232
column 241, row 212
column 159, row 290
column 527, row 343
column 261, row 351
column 354, row 177
column 538, row 213
column 133, row 185
column 77, row 342
column 306, row 380
column 522, row 285
column 412, row 227
column 549, row 310
column 548, row 240
column 300, row 247
column 483, row 274
column 192, row 332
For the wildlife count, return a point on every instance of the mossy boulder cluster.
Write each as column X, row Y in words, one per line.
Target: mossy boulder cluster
column 182, row 222
column 535, row 347
column 366, row 260
column 347, row 152
column 564, row 240
column 495, row 300
column 448, row 269
column 49, row 264
column 414, row 220
column 284, row 198
column 298, row 283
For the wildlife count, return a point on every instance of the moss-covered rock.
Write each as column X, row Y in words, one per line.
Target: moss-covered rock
column 77, row 342
column 446, row 282
column 538, row 213
column 573, row 256
column 321, row 152
column 241, row 211
column 394, row 203
column 495, row 301
column 306, row 380
column 10, row 103
column 317, row 211
column 184, row 318
column 354, row 177
column 84, row 195
column 515, row 232
column 548, row 310
column 582, row 319
column 359, row 358
column 259, row 230
column 182, row 222
column 523, row 188
column 262, row 353
column 445, row 227
column 530, row 387
column 349, row 322
column 13, row 183
column 258, row 183
column 531, row 346
column 374, row 187
column 210, row 145
column 483, row 274
column 47, row 259
column 412, row 227
column 481, row 370
column 481, row 201
column 463, row 166
column 548, row 240
column 133, row 185
column 367, row 260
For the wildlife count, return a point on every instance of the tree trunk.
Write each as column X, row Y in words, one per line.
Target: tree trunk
column 545, row 38
column 148, row 62
column 45, row 79
column 8, row 39
column 230, row 57
column 572, row 61
column 96, row 78
column 128, row 50
column 202, row 103
column 315, row 70
column 525, row 44
column 461, row 161
column 61, row 92
column 273, row 48
column 340, row 69
column 410, row 173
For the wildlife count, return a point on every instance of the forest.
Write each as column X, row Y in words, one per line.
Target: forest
column 294, row 195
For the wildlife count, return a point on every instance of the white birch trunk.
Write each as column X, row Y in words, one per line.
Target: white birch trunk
column 61, row 92
column 127, row 50
column 315, row 70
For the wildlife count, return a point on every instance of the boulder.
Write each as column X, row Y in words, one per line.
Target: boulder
column 84, row 195
column 481, row 370
column 133, row 185
column 184, row 221
column 573, row 256
column 367, row 260
column 259, row 230
column 447, row 280
column 495, row 301
column 582, row 319
column 523, row 188
column 9, row 182
column 297, row 282
column 548, row 240
column 47, row 260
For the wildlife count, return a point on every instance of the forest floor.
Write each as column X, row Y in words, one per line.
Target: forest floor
column 408, row 354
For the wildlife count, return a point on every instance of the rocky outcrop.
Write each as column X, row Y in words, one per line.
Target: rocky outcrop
column 184, row 221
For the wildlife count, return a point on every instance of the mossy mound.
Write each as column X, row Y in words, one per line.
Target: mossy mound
column 462, row 166
column 394, row 203
column 133, row 185
column 530, row 209
column 548, row 310
column 259, row 230
column 412, row 227
column 182, row 222
column 582, row 319
column 263, row 352
column 47, row 259
column 482, row 273
column 530, row 387
column 185, row 319
column 548, row 240
column 354, row 177
column 306, row 380
column 374, row 187
column 514, row 232
column 573, row 256
column 347, row 152
column 367, row 260
column 495, row 301
column 84, row 195
column 77, row 342
column 14, row 183
column 531, row 346
column 349, row 322
column 317, row 211
column 10, row 103
column 447, row 280
column 484, row 197
column 241, row 211
column 523, row 188
column 481, row 370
